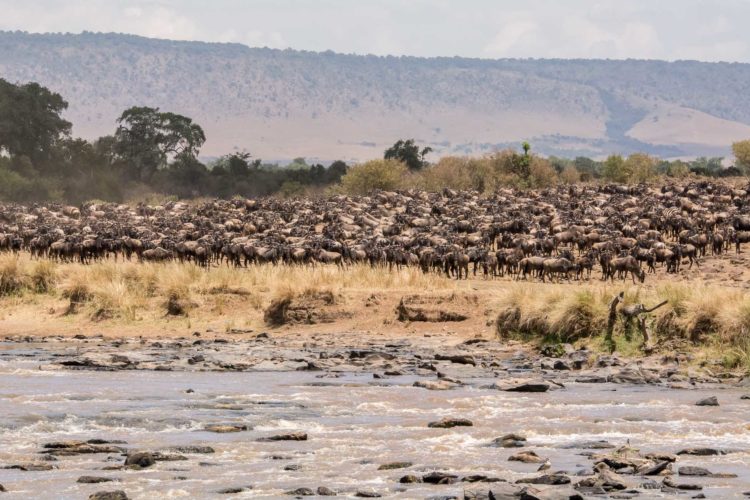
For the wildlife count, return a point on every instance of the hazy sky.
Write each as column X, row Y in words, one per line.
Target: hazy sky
column 654, row 29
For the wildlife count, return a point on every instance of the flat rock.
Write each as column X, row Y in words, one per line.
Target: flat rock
column 439, row 478
column 225, row 429
column 367, row 494
column 288, row 436
column 526, row 387
column 192, row 449
column 551, row 493
column 94, row 479
column 681, row 486
column 702, row 452
column 447, row 423
column 502, row 491
column 527, row 457
column 435, row 385
column 109, row 495
column 691, row 470
column 395, row 465
column 548, row 479
column 232, row 490
column 301, row 492
column 462, row 359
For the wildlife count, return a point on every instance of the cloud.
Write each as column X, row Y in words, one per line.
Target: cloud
column 271, row 39
column 512, row 35
column 667, row 29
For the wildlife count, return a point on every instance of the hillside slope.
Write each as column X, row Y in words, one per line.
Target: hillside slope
column 283, row 104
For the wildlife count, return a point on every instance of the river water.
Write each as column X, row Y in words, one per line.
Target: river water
column 354, row 424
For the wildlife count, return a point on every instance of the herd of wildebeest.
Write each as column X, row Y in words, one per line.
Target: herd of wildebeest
column 553, row 234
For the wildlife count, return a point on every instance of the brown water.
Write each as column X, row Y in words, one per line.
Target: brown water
column 354, row 423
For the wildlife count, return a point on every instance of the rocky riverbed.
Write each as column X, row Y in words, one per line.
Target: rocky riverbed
column 281, row 415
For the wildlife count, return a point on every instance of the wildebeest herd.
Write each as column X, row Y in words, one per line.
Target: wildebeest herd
column 554, row 234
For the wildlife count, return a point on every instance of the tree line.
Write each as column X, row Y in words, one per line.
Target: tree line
column 152, row 151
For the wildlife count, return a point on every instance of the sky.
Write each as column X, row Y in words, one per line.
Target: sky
column 714, row 30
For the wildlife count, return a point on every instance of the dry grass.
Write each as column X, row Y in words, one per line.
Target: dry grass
column 120, row 290
column 711, row 317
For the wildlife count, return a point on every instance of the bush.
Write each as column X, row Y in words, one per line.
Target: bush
column 375, row 174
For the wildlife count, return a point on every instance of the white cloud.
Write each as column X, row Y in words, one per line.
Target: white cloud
column 509, row 37
column 664, row 29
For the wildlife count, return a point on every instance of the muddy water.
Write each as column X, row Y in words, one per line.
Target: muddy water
column 354, row 424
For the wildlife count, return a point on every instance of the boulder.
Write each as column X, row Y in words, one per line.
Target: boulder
column 509, row 441
column 710, row 401
column 447, row 423
column 140, row 459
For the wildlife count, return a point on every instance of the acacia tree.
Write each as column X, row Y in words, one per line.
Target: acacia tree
column 146, row 138
column 408, row 153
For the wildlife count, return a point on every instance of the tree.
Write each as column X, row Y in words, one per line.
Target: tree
column 588, row 168
column 614, row 169
column 30, row 121
column 146, row 139
column 408, row 153
column 710, row 167
column 678, row 169
column 741, row 150
column 570, row 175
column 640, row 167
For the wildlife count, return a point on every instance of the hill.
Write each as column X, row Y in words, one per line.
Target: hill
column 280, row 104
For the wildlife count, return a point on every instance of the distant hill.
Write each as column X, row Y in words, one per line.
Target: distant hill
column 280, row 104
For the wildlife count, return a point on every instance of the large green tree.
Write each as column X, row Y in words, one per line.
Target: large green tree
column 146, row 138
column 30, row 121
column 408, row 153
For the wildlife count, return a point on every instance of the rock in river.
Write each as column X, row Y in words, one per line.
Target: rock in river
column 526, row 387
column 289, row 436
column 447, row 423
column 462, row 359
column 109, row 495
column 435, row 385
column 395, row 465
column 223, row 429
column 94, row 479
column 509, row 441
column 548, row 479
column 301, row 492
column 527, row 457
column 712, row 401
column 140, row 459
column 439, row 478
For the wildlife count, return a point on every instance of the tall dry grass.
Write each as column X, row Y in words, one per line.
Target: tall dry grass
column 707, row 316
column 121, row 289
